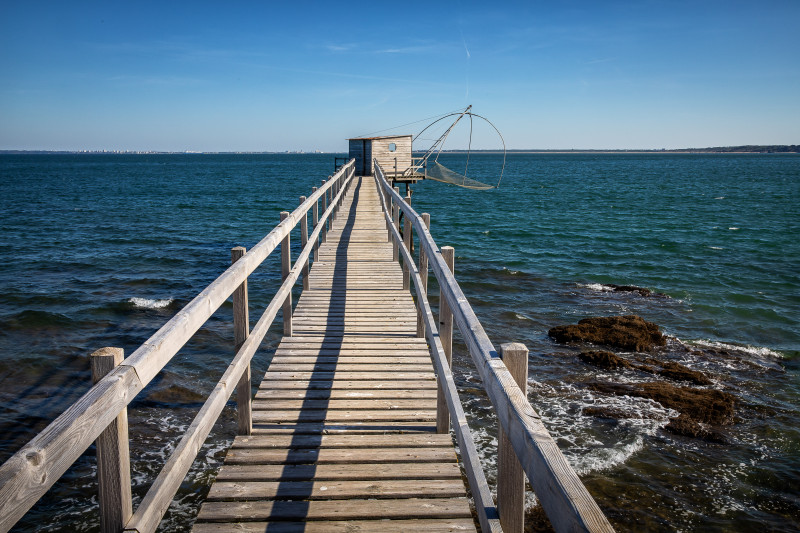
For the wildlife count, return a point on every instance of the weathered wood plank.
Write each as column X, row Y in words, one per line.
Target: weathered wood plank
column 445, row 525
column 344, row 471
column 335, row 510
column 334, row 490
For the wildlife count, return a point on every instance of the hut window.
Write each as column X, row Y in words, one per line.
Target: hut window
column 392, row 147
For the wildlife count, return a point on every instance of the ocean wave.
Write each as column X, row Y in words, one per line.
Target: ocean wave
column 599, row 287
column 759, row 351
column 146, row 303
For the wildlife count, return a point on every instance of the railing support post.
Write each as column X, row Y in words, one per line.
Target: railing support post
column 241, row 330
column 286, row 268
column 113, row 455
column 390, row 209
column 510, row 476
column 315, row 220
column 396, row 221
column 423, row 273
column 303, row 242
column 324, row 232
column 446, row 336
column 407, row 240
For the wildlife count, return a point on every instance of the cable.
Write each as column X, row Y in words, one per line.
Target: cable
column 409, row 124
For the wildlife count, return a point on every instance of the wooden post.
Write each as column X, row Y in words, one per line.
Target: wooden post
column 390, row 210
column 315, row 219
column 324, row 232
column 510, row 476
column 113, row 455
column 423, row 273
column 396, row 221
column 304, row 242
column 286, row 267
column 241, row 330
column 407, row 240
column 446, row 336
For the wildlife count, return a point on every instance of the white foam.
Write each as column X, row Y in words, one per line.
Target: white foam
column 759, row 351
column 733, row 229
column 146, row 303
column 716, row 247
column 596, row 287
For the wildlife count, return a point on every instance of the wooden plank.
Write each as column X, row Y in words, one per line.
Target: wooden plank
column 448, row 525
column 351, row 426
column 348, row 404
column 338, row 394
column 316, row 383
column 340, row 441
column 335, row 415
column 335, row 490
column 345, row 471
column 335, row 510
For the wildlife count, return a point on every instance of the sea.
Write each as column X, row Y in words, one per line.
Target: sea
column 102, row 249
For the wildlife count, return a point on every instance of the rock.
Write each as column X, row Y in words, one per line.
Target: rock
column 628, row 332
column 679, row 372
column 612, row 412
column 603, row 359
column 633, row 288
column 701, row 405
column 684, row 425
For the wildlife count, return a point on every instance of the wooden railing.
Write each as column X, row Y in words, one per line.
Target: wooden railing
column 563, row 497
column 100, row 414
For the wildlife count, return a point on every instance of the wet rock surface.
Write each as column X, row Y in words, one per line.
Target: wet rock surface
column 685, row 426
column 701, row 411
column 678, row 372
column 708, row 406
column 603, row 359
column 633, row 288
column 629, row 332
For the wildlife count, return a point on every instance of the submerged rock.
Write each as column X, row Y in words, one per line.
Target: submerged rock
column 603, row 359
column 685, row 426
column 629, row 332
column 708, row 406
column 633, row 288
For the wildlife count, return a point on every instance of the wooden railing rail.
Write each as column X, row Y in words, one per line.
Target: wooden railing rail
column 484, row 505
column 565, row 500
column 29, row 473
column 158, row 498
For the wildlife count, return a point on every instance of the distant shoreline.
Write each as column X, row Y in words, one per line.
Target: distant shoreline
column 744, row 149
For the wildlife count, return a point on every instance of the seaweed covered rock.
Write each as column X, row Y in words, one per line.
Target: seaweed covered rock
column 685, row 426
column 678, row 372
column 708, row 406
column 629, row 332
column 603, row 359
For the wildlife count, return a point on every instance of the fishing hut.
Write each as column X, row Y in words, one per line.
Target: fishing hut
column 392, row 153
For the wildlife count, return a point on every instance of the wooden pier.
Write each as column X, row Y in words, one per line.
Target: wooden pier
column 344, row 421
column 355, row 423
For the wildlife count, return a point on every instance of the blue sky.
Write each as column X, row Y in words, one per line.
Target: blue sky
column 305, row 76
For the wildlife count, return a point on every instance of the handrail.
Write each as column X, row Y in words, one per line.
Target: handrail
column 564, row 498
column 30, row 472
column 484, row 505
column 158, row 498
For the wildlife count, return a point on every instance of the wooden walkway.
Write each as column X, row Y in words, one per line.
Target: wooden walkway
column 344, row 432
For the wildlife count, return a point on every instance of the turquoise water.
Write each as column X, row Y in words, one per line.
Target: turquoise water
column 101, row 250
